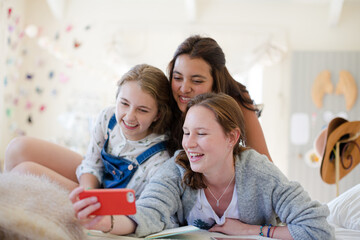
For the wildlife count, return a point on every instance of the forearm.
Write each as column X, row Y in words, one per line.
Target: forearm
column 88, row 180
column 121, row 225
column 276, row 232
column 236, row 227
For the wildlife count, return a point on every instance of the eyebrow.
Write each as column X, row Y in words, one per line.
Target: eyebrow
column 199, row 128
column 141, row 106
column 196, row 75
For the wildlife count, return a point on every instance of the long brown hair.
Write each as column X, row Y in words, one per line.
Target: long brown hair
column 209, row 50
column 229, row 115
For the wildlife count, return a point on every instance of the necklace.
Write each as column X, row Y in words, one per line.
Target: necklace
column 218, row 199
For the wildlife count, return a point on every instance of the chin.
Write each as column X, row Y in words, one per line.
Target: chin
column 195, row 169
column 182, row 107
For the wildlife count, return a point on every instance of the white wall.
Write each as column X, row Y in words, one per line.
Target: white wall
column 150, row 32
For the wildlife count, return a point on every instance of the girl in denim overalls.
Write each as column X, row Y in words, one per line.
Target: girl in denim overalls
column 128, row 142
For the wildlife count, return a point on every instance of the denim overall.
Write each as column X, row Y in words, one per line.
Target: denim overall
column 118, row 171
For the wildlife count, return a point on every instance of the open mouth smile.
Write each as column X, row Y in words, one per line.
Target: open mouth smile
column 183, row 99
column 129, row 125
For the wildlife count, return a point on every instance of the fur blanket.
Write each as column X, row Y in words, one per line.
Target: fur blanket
column 33, row 207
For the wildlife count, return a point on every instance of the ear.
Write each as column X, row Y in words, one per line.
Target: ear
column 157, row 117
column 233, row 136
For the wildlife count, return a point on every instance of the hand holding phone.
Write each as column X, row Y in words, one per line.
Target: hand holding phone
column 113, row 201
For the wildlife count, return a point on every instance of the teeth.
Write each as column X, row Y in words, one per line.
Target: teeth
column 129, row 124
column 185, row 98
column 195, row 154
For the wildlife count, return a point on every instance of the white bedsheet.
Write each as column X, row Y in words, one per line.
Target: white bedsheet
column 346, row 234
column 345, row 214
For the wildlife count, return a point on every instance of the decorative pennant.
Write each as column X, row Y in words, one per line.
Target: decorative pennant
column 28, row 105
column 39, row 90
column 76, row 44
column 42, row 108
column 29, row 120
column 29, row 76
column 54, row 92
column 10, row 28
column 8, row 112
column 51, row 74
column 17, row 20
column 69, row 28
column 57, row 36
column 21, row 34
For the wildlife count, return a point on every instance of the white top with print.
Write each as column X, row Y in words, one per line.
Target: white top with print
column 203, row 216
column 119, row 146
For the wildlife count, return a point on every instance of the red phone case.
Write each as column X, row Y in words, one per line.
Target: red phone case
column 113, row 201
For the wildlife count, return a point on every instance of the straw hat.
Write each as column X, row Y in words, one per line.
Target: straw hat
column 325, row 144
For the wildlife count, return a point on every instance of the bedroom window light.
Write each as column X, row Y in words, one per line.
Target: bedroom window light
column 253, row 80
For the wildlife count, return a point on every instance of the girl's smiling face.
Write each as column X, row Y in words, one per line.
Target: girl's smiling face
column 191, row 77
column 136, row 110
column 205, row 142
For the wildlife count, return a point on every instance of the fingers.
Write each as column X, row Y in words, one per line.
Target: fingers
column 73, row 196
column 85, row 207
column 215, row 228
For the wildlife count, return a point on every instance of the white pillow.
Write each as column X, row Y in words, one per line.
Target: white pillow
column 345, row 209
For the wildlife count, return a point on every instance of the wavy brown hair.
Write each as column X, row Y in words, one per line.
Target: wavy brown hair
column 154, row 82
column 209, row 50
column 229, row 115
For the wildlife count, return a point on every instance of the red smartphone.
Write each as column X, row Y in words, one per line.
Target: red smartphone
column 114, row 201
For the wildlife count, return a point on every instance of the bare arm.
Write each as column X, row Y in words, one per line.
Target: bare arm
column 235, row 227
column 88, row 180
column 254, row 135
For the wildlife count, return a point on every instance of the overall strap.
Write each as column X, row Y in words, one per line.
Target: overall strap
column 111, row 125
column 112, row 122
column 148, row 153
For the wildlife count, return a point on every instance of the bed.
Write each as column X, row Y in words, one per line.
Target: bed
column 37, row 208
column 345, row 214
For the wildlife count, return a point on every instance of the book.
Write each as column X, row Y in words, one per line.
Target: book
column 186, row 232
column 195, row 233
column 173, row 231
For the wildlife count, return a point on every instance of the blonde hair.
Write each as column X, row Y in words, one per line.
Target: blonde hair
column 154, row 82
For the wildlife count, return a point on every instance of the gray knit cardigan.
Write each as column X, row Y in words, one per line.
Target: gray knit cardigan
column 263, row 193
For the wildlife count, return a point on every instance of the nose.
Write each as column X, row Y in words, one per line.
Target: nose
column 189, row 141
column 185, row 86
column 131, row 114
